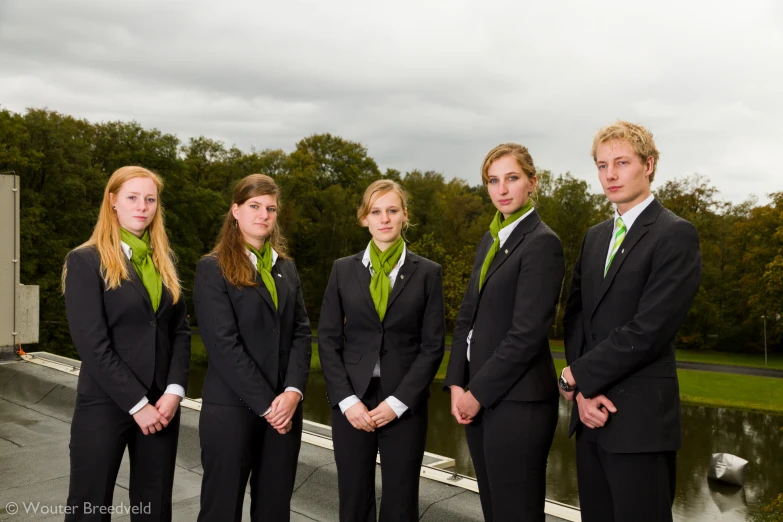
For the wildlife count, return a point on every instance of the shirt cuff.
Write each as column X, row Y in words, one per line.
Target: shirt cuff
column 139, row 405
column 175, row 389
column 294, row 389
column 396, row 406
column 470, row 337
column 348, row 402
column 266, row 412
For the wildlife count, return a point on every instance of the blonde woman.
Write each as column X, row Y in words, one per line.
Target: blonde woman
column 381, row 340
column 252, row 318
column 128, row 321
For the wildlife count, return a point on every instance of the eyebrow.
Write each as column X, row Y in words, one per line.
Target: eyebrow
column 256, row 202
column 139, row 194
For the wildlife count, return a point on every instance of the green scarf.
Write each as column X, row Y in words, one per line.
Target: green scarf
column 141, row 258
column 264, row 267
column 382, row 265
column 498, row 223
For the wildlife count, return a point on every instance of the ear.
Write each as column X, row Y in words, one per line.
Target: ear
column 533, row 183
column 112, row 199
column 649, row 166
column 405, row 215
column 365, row 222
column 235, row 211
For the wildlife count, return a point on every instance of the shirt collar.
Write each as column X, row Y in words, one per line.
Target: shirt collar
column 254, row 259
column 504, row 232
column 366, row 257
column 126, row 249
column 630, row 215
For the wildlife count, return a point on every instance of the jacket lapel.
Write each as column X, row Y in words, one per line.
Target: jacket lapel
column 165, row 302
column 138, row 285
column 638, row 231
column 282, row 285
column 513, row 241
column 264, row 293
column 363, row 278
column 403, row 276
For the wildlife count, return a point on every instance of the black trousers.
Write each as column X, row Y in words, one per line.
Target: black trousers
column 509, row 445
column 623, row 487
column 100, row 431
column 401, row 444
column 237, row 444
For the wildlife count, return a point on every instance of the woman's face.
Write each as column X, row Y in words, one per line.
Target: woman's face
column 135, row 204
column 256, row 218
column 508, row 187
column 385, row 219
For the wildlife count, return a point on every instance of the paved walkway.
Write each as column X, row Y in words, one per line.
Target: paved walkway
column 36, row 405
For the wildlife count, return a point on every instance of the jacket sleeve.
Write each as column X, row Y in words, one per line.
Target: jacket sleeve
column 416, row 382
column 84, row 287
column 179, row 369
column 301, row 350
column 573, row 323
column 331, row 341
column 457, row 371
column 538, row 288
column 220, row 333
column 666, row 299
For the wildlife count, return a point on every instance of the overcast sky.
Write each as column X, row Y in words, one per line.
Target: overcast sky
column 423, row 85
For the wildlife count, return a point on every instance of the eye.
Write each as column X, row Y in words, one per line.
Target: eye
column 375, row 212
column 493, row 180
column 601, row 167
column 623, row 163
column 131, row 197
column 150, row 200
column 254, row 206
column 393, row 211
column 271, row 209
column 513, row 178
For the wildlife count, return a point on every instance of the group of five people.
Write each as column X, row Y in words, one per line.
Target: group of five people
column 381, row 338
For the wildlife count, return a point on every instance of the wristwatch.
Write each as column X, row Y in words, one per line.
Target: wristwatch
column 563, row 383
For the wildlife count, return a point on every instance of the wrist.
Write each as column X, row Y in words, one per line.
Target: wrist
column 566, row 384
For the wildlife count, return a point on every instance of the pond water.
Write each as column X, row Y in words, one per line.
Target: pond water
column 755, row 437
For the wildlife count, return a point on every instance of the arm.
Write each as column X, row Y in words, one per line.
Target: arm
column 538, row 287
column 418, row 378
column 573, row 324
column 457, row 374
column 89, row 331
column 221, row 337
column 180, row 347
column 666, row 299
column 301, row 349
column 331, row 342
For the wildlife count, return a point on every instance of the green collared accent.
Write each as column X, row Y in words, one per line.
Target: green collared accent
column 382, row 265
column 141, row 259
column 264, row 267
column 497, row 224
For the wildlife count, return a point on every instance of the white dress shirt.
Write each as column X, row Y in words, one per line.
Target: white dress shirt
column 174, row 389
column 254, row 260
column 503, row 235
column 398, row 407
column 628, row 218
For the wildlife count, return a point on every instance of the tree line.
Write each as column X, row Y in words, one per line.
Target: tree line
column 64, row 163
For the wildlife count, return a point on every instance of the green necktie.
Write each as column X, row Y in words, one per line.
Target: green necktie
column 619, row 235
column 498, row 223
column 141, row 259
column 264, row 267
column 382, row 265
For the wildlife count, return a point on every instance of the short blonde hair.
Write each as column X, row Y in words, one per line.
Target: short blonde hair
column 640, row 139
column 377, row 189
column 519, row 152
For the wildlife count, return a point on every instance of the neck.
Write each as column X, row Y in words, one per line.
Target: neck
column 622, row 208
column 258, row 244
column 383, row 245
column 138, row 234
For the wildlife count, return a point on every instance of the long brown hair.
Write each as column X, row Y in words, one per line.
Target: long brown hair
column 230, row 248
column 106, row 237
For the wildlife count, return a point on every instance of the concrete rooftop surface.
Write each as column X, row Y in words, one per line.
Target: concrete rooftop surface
column 37, row 397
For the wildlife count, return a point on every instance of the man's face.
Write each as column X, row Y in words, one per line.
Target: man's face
column 624, row 177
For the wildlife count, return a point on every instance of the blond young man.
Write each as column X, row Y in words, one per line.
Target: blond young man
column 633, row 284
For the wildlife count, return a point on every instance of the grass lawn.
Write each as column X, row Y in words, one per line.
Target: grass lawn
column 725, row 390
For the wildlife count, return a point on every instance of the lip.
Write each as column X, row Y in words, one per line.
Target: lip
column 140, row 218
column 505, row 201
column 386, row 229
column 614, row 188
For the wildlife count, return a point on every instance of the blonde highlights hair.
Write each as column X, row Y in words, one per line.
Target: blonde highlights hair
column 377, row 189
column 106, row 236
column 230, row 249
column 640, row 139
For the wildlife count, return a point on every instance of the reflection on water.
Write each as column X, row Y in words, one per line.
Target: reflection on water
column 753, row 436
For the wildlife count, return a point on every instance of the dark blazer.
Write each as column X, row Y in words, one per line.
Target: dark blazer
column 410, row 341
column 510, row 318
column 620, row 329
column 255, row 351
column 124, row 346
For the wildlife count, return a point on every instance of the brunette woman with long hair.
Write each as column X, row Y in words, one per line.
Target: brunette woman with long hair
column 128, row 321
column 253, row 321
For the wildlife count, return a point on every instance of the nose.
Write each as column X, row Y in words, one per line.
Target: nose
column 141, row 204
column 385, row 217
column 611, row 173
column 502, row 188
column 263, row 214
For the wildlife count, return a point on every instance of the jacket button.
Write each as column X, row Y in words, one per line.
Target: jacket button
column 152, row 323
column 384, row 351
column 276, row 331
column 594, row 337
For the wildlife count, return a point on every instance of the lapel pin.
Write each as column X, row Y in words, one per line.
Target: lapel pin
column 402, row 276
column 507, row 251
column 279, row 275
column 622, row 251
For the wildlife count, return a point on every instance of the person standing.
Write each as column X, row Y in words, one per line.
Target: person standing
column 252, row 318
column 381, row 339
column 633, row 284
column 501, row 351
column 128, row 322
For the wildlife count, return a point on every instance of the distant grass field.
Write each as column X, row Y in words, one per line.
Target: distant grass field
column 764, row 394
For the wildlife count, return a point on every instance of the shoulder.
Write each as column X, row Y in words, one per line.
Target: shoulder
column 543, row 232
column 84, row 255
column 424, row 263
column 675, row 232
column 345, row 262
column 209, row 265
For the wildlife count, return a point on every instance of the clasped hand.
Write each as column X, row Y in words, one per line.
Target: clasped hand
column 152, row 419
column 283, row 409
column 464, row 406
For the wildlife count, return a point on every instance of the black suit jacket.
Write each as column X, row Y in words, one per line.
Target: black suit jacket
column 124, row 345
column 510, row 318
column 620, row 329
column 255, row 351
column 410, row 341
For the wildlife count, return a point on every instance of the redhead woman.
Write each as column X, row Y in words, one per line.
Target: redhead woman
column 252, row 318
column 128, row 322
column 501, row 375
column 381, row 340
